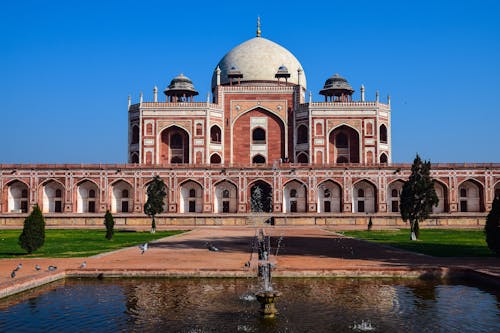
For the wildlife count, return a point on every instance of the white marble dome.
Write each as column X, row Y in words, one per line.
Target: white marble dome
column 258, row 59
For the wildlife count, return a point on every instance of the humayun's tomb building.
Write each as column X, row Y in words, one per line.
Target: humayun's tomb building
column 323, row 162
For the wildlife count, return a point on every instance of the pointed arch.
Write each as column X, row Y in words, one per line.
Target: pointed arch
column 496, row 190
column 114, row 181
column 294, row 196
column 10, row 182
column 134, row 158
column 215, row 134
column 364, row 196
column 302, row 158
column 17, row 195
column 190, row 197
column 174, row 147
column 344, row 144
column 441, row 189
column 260, row 196
column 51, row 179
column 257, row 107
column 329, row 194
column 244, row 143
column 258, row 159
column 52, row 192
column 383, row 133
column 394, row 189
column 135, row 134
column 259, row 135
column 302, row 134
column 225, row 197
column 215, row 159
column 87, row 196
column 121, row 196
column 83, row 180
column 470, row 195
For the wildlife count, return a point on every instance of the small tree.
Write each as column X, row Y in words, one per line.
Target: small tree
column 33, row 235
column 154, row 205
column 418, row 195
column 109, row 222
column 492, row 227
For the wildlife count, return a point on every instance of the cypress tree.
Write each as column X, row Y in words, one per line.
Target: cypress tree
column 154, row 205
column 33, row 235
column 418, row 195
column 492, row 227
column 109, row 222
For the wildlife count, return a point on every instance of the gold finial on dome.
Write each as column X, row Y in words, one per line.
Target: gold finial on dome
column 258, row 26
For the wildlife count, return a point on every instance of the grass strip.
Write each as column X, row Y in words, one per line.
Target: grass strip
column 434, row 242
column 68, row 243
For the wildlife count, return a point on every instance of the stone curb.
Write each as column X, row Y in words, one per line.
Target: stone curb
column 341, row 272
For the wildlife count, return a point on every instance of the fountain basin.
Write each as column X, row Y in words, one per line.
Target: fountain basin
column 225, row 305
column 267, row 302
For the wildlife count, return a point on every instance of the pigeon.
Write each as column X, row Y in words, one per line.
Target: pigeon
column 52, row 268
column 211, row 247
column 13, row 274
column 83, row 265
column 19, row 267
column 143, row 248
column 37, row 267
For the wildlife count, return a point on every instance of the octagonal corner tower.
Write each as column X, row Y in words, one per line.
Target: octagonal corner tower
column 258, row 60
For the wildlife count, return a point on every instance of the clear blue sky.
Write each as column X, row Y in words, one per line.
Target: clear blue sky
column 67, row 67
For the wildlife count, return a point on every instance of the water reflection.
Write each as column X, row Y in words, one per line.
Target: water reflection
column 225, row 305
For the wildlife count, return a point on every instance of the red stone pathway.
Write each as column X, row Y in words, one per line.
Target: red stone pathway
column 311, row 251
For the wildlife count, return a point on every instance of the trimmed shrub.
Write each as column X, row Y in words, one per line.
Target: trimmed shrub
column 492, row 227
column 109, row 222
column 33, row 235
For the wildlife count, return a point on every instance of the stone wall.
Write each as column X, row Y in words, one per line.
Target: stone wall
column 361, row 222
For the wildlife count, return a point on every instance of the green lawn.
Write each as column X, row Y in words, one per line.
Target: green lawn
column 63, row 243
column 434, row 242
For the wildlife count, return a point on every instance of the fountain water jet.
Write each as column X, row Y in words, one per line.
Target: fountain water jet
column 267, row 295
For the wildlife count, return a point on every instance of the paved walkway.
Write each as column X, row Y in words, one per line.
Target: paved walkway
column 304, row 251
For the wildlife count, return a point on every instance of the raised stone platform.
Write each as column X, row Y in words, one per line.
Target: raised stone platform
column 344, row 219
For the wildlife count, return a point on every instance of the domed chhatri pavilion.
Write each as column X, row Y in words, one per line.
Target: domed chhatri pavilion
column 325, row 162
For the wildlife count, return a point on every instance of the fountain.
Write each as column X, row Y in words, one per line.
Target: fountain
column 267, row 295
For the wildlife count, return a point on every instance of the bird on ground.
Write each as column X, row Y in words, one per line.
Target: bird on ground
column 52, row 268
column 83, row 265
column 211, row 247
column 143, row 247
column 37, row 267
column 19, row 267
column 13, row 274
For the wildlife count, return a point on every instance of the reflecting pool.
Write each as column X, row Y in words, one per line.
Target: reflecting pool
column 228, row 305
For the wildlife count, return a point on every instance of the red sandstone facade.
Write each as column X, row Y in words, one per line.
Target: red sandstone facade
column 331, row 158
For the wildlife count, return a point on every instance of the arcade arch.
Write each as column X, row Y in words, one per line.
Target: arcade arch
column 329, row 197
column 294, row 197
column 191, row 197
column 364, row 197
